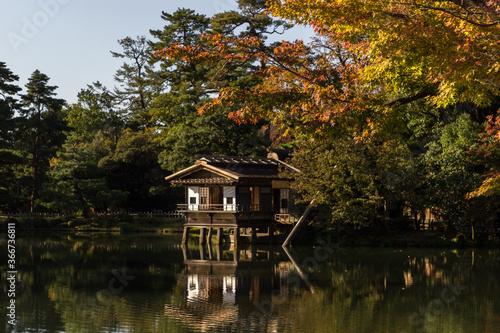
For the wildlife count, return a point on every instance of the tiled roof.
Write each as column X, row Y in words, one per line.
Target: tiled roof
column 231, row 169
column 247, row 166
column 218, row 181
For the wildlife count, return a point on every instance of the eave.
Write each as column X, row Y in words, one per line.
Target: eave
column 201, row 165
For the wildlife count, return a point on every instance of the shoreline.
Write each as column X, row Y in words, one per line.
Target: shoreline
column 308, row 236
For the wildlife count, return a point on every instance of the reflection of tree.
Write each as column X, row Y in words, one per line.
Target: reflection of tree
column 63, row 278
column 61, row 283
column 365, row 291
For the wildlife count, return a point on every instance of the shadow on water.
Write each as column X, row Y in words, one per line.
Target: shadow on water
column 150, row 283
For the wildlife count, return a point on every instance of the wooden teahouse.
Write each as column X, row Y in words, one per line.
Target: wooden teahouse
column 240, row 193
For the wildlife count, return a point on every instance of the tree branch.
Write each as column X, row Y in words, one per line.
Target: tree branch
column 411, row 98
column 462, row 17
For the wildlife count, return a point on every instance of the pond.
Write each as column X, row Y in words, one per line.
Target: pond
column 149, row 283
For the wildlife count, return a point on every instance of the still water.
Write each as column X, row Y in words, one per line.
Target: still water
column 149, row 283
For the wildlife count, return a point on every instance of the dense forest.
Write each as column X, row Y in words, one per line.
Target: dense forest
column 391, row 108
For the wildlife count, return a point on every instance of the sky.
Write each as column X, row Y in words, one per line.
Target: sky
column 70, row 40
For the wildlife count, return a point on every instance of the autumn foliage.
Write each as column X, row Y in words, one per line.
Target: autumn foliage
column 449, row 49
column 490, row 152
column 367, row 54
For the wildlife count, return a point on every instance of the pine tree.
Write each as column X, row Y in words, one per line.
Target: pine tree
column 77, row 182
column 137, row 88
column 8, row 105
column 8, row 126
column 43, row 130
column 191, row 84
column 186, row 84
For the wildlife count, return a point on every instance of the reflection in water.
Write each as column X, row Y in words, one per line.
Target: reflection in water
column 246, row 271
column 208, row 285
column 219, row 286
column 72, row 284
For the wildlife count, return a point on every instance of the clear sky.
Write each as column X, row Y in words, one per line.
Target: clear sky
column 70, row 40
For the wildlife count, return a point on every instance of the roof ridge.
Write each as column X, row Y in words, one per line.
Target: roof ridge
column 245, row 160
column 229, row 159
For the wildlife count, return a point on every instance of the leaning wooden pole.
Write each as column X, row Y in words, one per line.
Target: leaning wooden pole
column 299, row 270
column 290, row 237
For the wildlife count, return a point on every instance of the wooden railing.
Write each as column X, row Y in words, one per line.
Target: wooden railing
column 223, row 208
column 283, row 218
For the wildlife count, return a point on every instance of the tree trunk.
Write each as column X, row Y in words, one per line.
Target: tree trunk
column 35, row 162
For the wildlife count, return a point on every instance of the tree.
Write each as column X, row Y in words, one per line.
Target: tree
column 94, row 112
column 444, row 50
column 369, row 55
column 212, row 134
column 77, row 183
column 186, row 83
column 300, row 88
column 488, row 152
column 43, row 131
column 450, row 171
column 191, row 84
column 137, row 85
column 8, row 105
column 8, row 126
column 355, row 179
column 133, row 167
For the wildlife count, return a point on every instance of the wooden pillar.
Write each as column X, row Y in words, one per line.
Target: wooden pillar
column 202, row 252
column 220, row 236
column 185, row 235
column 203, row 236
column 236, row 235
column 210, row 235
column 254, row 235
column 236, row 253
column 184, row 252
column 209, row 245
column 219, row 252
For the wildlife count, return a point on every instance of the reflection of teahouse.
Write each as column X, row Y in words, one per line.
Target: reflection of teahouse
column 234, row 192
column 243, row 272
column 223, row 290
